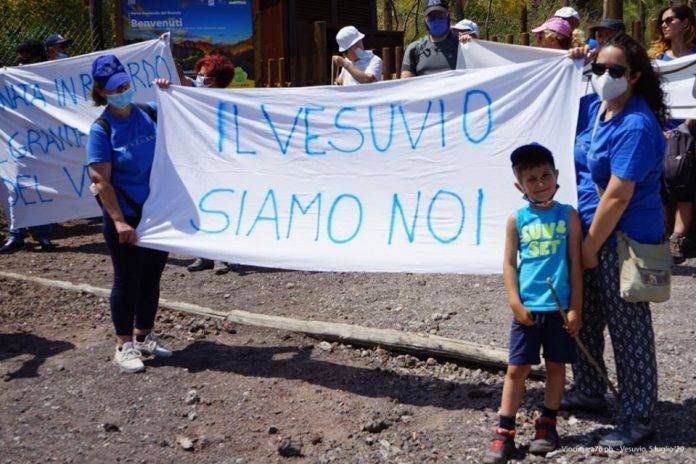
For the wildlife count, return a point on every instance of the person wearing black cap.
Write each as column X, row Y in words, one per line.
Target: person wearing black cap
column 437, row 51
column 607, row 29
column 57, row 46
column 545, row 235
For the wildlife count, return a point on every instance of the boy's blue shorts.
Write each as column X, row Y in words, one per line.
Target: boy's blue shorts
column 547, row 331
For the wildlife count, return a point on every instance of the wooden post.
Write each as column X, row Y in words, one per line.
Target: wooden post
column 281, row 73
column 304, row 71
column 95, row 24
column 494, row 38
column 509, row 38
column 524, row 38
column 652, row 28
column 321, row 71
column 422, row 344
column 398, row 59
column 269, row 72
column 386, row 63
column 523, row 18
column 387, row 15
column 637, row 32
column 613, row 9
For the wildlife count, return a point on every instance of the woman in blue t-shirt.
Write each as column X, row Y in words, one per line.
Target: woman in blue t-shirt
column 619, row 151
column 120, row 150
column 676, row 38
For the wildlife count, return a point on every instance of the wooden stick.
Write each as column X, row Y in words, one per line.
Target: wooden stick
column 422, row 344
column 581, row 345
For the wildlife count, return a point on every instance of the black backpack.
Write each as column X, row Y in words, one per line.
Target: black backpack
column 679, row 169
column 104, row 124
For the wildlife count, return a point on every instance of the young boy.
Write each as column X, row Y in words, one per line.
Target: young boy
column 547, row 237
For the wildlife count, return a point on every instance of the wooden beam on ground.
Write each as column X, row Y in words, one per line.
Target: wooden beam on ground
column 421, row 344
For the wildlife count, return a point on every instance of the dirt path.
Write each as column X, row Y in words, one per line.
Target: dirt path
column 62, row 400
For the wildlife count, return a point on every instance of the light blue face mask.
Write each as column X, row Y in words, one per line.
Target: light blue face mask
column 360, row 53
column 121, row 100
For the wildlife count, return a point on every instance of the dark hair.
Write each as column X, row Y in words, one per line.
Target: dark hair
column 34, row 49
column 648, row 85
column 659, row 46
column 219, row 67
column 97, row 98
column 531, row 156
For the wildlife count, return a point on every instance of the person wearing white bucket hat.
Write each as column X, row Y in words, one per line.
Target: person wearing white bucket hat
column 359, row 66
column 466, row 30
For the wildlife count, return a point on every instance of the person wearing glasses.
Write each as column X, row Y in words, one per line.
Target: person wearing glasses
column 619, row 150
column 676, row 38
column 437, row 51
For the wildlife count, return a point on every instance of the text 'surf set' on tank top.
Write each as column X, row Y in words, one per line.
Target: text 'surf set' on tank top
column 543, row 253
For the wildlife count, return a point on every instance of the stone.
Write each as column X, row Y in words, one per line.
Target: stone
column 185, row 443
column 290, row 448
column 192, row 397
column 109, row 427
column 431, row 362
column 376, row 426
column 325, row 346
column 192, row 416
column 272, row 430
column 289, row 285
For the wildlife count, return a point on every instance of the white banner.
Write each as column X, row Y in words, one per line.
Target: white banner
column 45, row 115
column 408, row 175
column 679, row 76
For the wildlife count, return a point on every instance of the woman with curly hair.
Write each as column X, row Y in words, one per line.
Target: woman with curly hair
column 677, row 38
column 619, row 153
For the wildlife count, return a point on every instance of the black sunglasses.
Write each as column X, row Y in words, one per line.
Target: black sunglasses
column 615, row 71
column 669, row 20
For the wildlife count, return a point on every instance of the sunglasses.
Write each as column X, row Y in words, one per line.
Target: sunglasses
column 669, row 20
column 615, row 71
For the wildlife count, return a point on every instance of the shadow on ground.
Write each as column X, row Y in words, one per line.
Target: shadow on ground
column 18, row 344
column 291, row 362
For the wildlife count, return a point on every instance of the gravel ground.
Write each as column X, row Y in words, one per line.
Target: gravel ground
column 246, row 395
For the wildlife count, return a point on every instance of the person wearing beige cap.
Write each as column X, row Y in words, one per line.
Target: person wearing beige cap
column 359, row 66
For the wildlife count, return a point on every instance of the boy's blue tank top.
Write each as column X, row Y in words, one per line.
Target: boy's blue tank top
column 543, row 252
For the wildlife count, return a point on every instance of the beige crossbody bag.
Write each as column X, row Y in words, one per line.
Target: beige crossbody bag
column 645, row 269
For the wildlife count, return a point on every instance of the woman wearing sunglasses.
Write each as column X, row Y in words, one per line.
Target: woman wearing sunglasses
column 677, row 38
column 618, row 152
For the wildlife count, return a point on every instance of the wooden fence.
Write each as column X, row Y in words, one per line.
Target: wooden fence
column 314, row 69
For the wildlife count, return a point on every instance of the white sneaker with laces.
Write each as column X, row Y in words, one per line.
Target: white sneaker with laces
column 129, row 359
column 151, row 346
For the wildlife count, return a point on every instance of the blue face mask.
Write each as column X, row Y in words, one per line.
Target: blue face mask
column 360, row 53
column 438, row 26
column 121, row 100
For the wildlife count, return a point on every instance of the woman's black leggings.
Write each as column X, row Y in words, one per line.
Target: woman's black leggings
column 137, row 274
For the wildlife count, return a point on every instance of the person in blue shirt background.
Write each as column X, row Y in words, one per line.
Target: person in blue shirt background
column 623, row 145
column 676, row 38
column 120, row 150
column 542, row 241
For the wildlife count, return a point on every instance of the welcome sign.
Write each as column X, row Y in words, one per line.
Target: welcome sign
column 46, row 112
column 410, row 175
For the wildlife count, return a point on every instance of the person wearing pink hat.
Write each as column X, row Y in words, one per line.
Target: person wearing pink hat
column 554, row 33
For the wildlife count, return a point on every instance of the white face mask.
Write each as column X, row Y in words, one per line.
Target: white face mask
column 608, row 87
column 203, row 81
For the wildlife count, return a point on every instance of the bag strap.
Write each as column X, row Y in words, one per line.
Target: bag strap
column 104, row 124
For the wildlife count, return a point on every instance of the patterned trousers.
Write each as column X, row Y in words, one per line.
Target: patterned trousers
column 632, row 336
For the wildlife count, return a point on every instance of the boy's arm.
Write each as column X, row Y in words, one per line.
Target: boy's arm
column 510, row 273
column 575, row 268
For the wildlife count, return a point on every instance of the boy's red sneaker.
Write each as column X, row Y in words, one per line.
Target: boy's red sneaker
column 502, row 447
column 545, row 438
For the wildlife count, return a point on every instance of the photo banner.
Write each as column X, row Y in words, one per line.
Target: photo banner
column 678, row 76
column 46, row 112
column 407, row 175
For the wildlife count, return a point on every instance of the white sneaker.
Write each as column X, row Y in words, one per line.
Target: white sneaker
column 152, row 347
column 128, row 359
